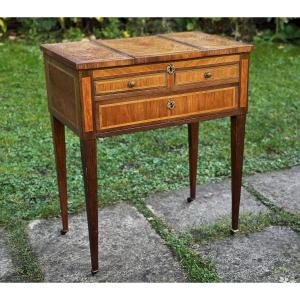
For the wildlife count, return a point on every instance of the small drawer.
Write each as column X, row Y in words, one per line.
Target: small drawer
column 134, row 112
column 229, row 73
column 131, row 83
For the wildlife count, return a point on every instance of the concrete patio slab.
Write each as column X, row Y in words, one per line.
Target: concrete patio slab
column 129, row 249
column 281, row 187
column 213, row 203
column 6, row 266
column 272, row 255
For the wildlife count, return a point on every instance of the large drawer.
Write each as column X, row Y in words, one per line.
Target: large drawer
column 133, row 112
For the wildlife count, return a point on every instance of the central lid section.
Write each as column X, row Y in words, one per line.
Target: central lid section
column 147, row 46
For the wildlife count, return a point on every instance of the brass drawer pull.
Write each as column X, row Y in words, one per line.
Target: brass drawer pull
column 131, row 84
column 170, row 69
column 171, row 104
column 207, row 75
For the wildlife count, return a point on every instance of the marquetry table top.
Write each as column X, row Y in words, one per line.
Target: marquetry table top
column 138, row 50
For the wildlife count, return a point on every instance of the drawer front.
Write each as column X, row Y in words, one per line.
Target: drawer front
column 130, row 83
column 204, row 72
column 161, row 67
column 229, row 73
column 161, row 108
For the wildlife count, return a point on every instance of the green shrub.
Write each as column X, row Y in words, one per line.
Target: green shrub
column 41, row 29
column 3, row 26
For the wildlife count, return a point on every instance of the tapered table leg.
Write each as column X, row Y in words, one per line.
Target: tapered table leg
column 58, row 132
column 89, row 166
column 237, row 152
column 193, row 133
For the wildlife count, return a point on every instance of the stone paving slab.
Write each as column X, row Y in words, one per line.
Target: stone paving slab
column 213, row 203
column 129, row 249
column 281, row 187
column 272, row 255
column 6, row 266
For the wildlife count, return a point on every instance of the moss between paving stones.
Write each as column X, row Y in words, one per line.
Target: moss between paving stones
column 249, row 223
column 283, row 217
column 26, row 265
column 198, row 270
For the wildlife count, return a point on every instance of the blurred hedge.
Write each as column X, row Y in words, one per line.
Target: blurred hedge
column 56, row 29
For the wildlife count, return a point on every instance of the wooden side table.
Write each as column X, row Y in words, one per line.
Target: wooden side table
column 107, row 87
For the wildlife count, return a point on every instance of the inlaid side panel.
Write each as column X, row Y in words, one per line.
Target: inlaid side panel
column 86, row 100
column 61, row 88
column 143, row 111
column 244, row 81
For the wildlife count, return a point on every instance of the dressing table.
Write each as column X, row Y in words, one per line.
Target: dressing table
column 100, row 88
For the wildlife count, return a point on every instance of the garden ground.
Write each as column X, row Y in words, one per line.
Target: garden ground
column 170, row 240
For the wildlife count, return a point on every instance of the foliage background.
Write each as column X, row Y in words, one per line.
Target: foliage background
column 57, row 29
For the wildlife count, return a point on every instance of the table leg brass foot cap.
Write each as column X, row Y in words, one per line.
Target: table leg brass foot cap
column 63, row 232
column 190, row 199
column 94, row 272
column 233, row 231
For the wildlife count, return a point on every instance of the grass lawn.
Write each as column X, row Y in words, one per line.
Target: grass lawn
column 132, row 166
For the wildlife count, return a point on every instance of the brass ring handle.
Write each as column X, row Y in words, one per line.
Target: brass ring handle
column 171, row 104
column 207, row 75
column 170, row 69
column 131, row 84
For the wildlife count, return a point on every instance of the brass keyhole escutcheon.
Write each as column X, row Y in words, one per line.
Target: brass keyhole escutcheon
column 131, row 84
column 207, row 75
column 171, row 104
column 170, row 69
